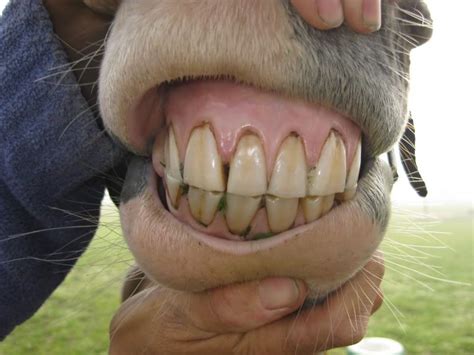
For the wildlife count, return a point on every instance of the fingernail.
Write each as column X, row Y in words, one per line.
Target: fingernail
column 278, row 293
column 372, row 14
column 330, row 12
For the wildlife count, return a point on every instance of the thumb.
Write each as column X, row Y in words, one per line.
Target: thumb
column 242, row 307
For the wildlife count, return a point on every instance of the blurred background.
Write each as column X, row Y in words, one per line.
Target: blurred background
column 428, row 286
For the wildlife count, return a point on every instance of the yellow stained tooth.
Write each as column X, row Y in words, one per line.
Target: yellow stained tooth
column 174, row 190
column 203, row 204
column 312, row 208
column 203, row 165
column 347, row 195
column 173, row 166
column 329, row 175
column 240, row 211
column 281, row 213
column 248, row 172
column 354, row 171
column 289, row 171
column 327, row 204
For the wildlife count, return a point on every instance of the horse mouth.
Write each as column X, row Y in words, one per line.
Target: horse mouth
column 241, row 164
column 238, row 179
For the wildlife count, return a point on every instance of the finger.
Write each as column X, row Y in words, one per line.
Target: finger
column 322, row 14
column 363, row 16
column 340, row 321
column 232, row 309
column 242, row 307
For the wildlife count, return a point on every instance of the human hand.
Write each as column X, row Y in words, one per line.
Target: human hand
column 256, row 317
column 362, row 16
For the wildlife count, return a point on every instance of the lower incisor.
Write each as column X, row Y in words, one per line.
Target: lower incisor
column 240, row 211
column 203, row 204
column 281, row 213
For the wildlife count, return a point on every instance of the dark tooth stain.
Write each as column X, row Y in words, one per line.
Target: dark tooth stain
column 246, row 232
column 184, row 189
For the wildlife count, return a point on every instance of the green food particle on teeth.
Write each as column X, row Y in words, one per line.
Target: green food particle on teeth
column 184, row 189
column 259, row 236
column 222, row 204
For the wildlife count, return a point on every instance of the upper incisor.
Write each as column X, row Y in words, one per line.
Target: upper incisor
column 248, row 171
column 203, row 166
column 289, row 170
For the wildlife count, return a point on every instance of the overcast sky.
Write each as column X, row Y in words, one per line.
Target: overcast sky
column 442, row 98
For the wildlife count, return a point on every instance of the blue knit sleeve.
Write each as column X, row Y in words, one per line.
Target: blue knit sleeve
column 52, row 155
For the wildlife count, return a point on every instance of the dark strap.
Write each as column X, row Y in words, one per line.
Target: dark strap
column 408, row 154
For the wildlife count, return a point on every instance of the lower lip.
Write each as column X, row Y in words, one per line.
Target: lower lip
column 244, row 247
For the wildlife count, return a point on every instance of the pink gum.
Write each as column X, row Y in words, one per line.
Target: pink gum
column 233, row 110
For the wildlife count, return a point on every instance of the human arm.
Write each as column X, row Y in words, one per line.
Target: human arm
column 52, row 156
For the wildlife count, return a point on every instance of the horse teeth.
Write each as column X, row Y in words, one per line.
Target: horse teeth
column 240, row 211
column 248, row 172
column 289, row 171
column 312, row 208
column 203, row 204
column 203, row 166
column 354, row 171
column 172, row 163
column 327, row 204
column 240, row 195
column 329, row 175
column 173, row 187
column 281, row 213
column 348, row 194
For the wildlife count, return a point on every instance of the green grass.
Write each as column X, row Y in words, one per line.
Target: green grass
column 437, row 315
column 75, row 319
